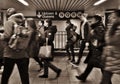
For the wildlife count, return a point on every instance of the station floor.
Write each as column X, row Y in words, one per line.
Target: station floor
column 67, row 76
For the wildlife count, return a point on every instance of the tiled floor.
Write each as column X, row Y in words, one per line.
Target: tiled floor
column 67, row 76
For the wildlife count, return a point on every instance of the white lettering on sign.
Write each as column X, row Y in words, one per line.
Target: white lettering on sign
column 46, row 15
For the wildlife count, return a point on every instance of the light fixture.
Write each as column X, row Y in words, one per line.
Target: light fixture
column 24, row 2
column 99, row 2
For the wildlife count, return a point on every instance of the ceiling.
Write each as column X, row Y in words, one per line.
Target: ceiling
column 60, row 5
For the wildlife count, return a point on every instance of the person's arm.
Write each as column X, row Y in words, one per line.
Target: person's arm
column 86, row 31
column 54, row 29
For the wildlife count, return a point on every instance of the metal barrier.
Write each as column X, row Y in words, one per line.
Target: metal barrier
column 61, row 39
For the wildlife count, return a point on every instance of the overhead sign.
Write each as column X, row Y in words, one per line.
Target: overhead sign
column 58, row 15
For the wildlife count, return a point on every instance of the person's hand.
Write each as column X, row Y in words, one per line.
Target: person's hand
column 87, row 44
column 71, row 29
column 92, row 32
column 0, row 34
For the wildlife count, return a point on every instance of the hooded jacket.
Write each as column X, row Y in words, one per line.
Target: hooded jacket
column 8, row 32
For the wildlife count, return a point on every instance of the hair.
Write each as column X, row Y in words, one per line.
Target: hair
column 68, row 21
column 115, row 24
column 32, row 24
column 117, row 12
column 42, row 21
column 97, row 17
column 49, row 21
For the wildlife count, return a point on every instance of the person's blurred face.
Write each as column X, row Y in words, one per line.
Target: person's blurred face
column 10, row 12
column 46, row 24
column 82, row 18
column 112, row 17
column 39, row 23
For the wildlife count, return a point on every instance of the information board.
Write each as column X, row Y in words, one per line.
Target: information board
column 58, row 15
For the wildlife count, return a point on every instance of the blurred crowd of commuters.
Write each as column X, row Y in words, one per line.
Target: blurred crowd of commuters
column 103, row 46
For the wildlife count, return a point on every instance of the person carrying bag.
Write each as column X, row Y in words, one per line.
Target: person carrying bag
column 45, row 51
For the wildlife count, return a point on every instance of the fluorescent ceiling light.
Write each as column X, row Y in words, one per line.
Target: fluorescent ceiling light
column 24, row 2
column 99, row 2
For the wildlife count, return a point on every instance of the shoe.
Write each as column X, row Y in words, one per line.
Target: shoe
column 69, row 59
column 75, row 64
column 58, row 73
column 81, row 78
column 43, row 76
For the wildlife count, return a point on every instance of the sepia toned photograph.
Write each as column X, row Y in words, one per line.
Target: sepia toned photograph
column 59, row 41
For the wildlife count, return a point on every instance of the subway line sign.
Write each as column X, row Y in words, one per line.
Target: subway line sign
column 58, row 15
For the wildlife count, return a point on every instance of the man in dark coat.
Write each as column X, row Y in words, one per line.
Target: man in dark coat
column 97, row 44
column 84, row 33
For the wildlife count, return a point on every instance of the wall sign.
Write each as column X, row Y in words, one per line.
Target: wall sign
column 58, row 15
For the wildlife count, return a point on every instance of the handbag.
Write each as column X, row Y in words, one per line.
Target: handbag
column 45, row 51
column 20, row 38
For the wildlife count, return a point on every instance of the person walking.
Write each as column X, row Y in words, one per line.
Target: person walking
column 14, row 56
column 97, row 44
column 111, row 53
column 50, row 34
column 70, row 29
column 34, row 43
column 84, row 35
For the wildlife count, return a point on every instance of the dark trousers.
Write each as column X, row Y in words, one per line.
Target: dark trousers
column 48, row 64
column 22, row 65
column 106, row 78
column 82, row 47
column 70, row 45
column 1, row 62
column 87, row 71
column 36, row 58
column 89, row 55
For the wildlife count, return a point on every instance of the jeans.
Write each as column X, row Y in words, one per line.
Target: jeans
column 22, row 65
column 48, row 64
column 82, row 47
column 70, row 45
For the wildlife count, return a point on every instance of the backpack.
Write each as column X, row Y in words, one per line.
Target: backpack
column 20, row 38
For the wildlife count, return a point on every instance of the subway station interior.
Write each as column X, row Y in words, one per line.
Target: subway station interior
column 59, row 12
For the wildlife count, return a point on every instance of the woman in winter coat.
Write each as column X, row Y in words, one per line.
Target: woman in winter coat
column 96, row 47
column 111, row 54
column 14, row 56
column 33, row 48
